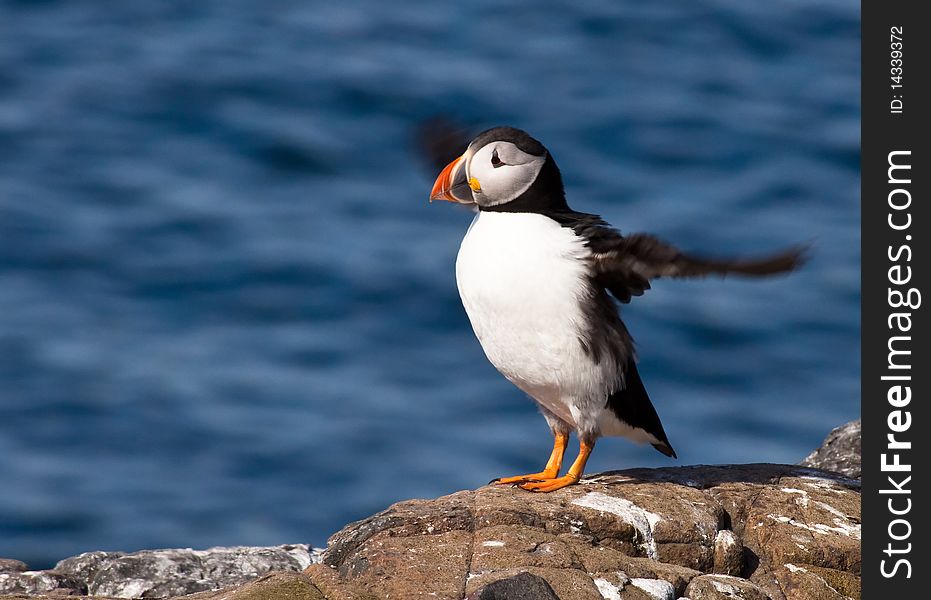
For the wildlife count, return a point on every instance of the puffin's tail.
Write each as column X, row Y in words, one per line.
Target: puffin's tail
column 632, row 406
column 666, row 449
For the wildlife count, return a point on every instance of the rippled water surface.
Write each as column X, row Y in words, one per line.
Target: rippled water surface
column 229, row 316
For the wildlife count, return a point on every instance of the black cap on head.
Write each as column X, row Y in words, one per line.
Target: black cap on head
column 518, row 137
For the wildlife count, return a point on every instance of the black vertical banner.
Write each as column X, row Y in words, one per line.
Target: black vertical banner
column 896, row 169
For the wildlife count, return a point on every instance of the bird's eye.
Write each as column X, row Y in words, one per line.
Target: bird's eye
column 495, row 161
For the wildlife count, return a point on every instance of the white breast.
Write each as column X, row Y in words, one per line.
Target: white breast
column 521, row 277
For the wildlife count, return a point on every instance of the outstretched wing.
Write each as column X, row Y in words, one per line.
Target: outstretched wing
column 625, row 265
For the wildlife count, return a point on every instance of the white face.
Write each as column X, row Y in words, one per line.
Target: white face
column 499, row 172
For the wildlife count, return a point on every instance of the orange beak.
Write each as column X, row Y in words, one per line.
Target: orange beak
column 451, row 184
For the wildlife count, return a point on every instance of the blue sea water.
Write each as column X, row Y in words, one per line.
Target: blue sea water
column 229, row 316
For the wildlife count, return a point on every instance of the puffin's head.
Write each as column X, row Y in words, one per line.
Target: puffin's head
column 500, row 166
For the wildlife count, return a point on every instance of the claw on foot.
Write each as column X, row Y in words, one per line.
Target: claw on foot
column 541, row 476
column 550, row 485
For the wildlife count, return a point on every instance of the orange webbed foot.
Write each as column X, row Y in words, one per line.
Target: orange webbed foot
column 541, row 476
column 550, row 485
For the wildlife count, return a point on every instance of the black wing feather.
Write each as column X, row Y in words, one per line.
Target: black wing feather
column 625, row 265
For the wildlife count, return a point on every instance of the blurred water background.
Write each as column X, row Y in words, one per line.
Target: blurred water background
column 229, row 316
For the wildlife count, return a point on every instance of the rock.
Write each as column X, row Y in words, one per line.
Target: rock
column 638, row 568
column 725, row 587
column 167, row 573
column 840, row 451
column 728, row 554
column 33, row 583
column 274, row 586
column 523, row 586
column 818, row 583
column 644, row 533
column 8, row 565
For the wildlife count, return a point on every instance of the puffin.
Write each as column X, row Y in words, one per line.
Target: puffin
column 541, row 283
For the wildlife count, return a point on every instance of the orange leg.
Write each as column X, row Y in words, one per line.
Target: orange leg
column 551, row 470
column 571, row 477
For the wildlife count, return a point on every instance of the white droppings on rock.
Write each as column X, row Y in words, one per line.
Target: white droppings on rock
column 822, row 483
column 832, row 510
column 842, row 527
column 723, row 586
column 493, row 544
column 655, row 588
column 608, row 590
column 802, row 500
column 726, row 538
column 643, row 520
column 796, row 569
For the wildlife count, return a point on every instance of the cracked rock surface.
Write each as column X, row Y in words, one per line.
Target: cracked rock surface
column 752, row 532
column 762, row 531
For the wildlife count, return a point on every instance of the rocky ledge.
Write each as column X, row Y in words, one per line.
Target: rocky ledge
column 706, row 532
column 756, row 532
